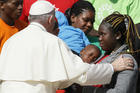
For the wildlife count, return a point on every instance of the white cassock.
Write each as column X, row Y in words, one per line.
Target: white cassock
column 35, row 61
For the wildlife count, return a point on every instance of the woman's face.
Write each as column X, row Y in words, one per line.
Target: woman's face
column 107, row 39
column 12, row 9
column 84, row 21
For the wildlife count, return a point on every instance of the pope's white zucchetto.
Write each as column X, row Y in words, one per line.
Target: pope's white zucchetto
column 41, row 7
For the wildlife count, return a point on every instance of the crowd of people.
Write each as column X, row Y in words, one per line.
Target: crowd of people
column 73, row 46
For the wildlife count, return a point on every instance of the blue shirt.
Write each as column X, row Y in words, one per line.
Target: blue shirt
column 73, row 37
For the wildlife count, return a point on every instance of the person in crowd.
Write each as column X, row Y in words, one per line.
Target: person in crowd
column 80, row 23
column 10, row 11
column 73, row 37
column 106, row 7
column 117, row 34
column 90, row 53
column 82, row 15
column 61, row 5
column 36, row 61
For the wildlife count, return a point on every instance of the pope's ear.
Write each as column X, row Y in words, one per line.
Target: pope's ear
column 50, row 19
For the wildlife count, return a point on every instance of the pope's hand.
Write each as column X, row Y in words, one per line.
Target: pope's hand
column 123, row 63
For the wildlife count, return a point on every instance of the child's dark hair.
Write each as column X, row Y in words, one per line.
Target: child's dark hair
column 123, row 24
column 78, row 8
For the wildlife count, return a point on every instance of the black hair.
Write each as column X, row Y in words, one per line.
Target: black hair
column 3, row 0
column 21, row 1
column 123, row 24
column 78, row 8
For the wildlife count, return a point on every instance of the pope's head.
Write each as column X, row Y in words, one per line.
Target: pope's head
column 43, row 12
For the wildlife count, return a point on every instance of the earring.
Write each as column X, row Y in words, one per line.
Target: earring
column 118, row 38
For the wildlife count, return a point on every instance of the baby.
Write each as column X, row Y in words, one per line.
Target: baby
column 90, row 53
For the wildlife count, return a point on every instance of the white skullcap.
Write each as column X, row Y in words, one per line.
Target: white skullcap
column 41, row 7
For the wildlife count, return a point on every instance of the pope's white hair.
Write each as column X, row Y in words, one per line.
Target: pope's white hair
column 40, row 17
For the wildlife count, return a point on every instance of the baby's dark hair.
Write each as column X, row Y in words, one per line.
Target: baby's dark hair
column 78, row 8
column 123, row 24
column 91, row 46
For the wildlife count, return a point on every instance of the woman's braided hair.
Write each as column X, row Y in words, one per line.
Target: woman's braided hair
column 123, row 24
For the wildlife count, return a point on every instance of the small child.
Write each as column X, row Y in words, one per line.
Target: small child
column 90, row 53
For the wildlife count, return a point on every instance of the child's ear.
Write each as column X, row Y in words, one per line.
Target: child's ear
column 118, row 35
column 50, row 19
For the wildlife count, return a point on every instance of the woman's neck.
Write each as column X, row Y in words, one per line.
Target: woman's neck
column 117, row 46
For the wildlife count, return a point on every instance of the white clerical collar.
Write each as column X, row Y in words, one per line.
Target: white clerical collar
column 38, row 25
